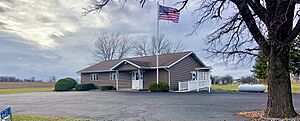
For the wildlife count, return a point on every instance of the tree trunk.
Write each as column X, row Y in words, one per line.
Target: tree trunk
column 280, row 102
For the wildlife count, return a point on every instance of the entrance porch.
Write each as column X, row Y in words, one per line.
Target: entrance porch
column 200, row 80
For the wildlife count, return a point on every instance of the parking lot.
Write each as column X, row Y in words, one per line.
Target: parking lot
column 96, row 105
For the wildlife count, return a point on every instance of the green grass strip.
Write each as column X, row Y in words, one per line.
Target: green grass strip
column 25, row 90
column 43, row 118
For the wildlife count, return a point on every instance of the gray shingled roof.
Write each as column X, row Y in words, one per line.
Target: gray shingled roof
column 146, row 61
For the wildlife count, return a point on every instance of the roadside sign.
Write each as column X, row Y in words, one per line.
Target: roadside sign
column 6, row 113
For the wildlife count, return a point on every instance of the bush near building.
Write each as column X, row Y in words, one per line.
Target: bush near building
column 65, row 84
column 105, row 88
column 160, row 87
column 84, row 87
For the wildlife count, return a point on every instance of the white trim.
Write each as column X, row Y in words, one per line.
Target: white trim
column 154, row 67
column 200, row 61
column 180, row 59
column 184, row 58
column 94, row 77
column 125, row 61
column 207, row 67
column 135, row 82
column 80, row 72
column 194, row 85
column 99, row 71
column 113, row 76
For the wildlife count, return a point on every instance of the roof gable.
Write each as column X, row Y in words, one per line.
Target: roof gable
column 165, row 61
column 188, row 61
column 124, row 62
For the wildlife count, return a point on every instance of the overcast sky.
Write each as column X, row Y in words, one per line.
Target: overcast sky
column 41, row 38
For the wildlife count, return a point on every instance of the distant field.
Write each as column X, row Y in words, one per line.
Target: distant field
column 25, row 87
column 25, row 90
column 234, row 87
column 17, row 85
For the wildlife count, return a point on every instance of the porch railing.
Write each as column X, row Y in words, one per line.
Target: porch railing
column 194, row 85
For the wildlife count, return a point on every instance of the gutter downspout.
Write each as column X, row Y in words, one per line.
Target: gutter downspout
column 169, row 78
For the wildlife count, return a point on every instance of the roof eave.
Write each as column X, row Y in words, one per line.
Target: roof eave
column 97, row 71
column 206, row 67
column 123, row 62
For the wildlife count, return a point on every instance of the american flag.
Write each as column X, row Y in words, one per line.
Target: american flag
column 168, row 13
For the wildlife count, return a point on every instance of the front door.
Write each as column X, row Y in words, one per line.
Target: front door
column 137, row 80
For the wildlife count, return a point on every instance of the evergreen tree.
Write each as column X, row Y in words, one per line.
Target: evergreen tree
column 295, row 58
column 260, row 67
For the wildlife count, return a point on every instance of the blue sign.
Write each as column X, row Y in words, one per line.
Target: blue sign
column 138, row 76
column 5, row 113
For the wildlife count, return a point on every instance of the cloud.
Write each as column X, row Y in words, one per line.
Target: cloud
column 42, row 38
column 40, row 21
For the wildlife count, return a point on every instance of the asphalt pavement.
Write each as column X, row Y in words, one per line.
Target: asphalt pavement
column 97, row 105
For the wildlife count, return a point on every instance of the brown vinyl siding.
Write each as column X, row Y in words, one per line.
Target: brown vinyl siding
column 182, row 71
column 179, row 72
column 103, row 79
column 150, row 76
column 124, row 80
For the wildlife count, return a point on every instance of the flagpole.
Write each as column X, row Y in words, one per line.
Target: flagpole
column 157, row 41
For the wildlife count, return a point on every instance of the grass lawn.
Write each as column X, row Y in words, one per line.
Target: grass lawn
column 295, row 87
column 43, row 118
column 229, row 87
column 234, row 87
column 25, row 90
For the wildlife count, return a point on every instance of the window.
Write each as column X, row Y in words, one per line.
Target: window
column 113, row 76
column 94, row 77
column 136, row 75
column 203, row 75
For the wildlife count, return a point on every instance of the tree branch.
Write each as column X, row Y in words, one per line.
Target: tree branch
column 184, row 4
column 251, row 24
column 295, row 32
column 259, row 10
column 95, row 7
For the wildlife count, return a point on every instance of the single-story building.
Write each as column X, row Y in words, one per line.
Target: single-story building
column 139, row 72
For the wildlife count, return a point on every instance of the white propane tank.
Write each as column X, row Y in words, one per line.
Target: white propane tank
column 252, row 88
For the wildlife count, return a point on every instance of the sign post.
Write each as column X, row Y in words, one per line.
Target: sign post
column 5, row 114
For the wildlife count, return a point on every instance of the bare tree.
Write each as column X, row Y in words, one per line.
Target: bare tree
column 10, row 79
column 124, row 47
column 252, row 25
column 147, row 46
column 176, row 46
column 140, row 47
column 112, row 46
column 52, row 79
